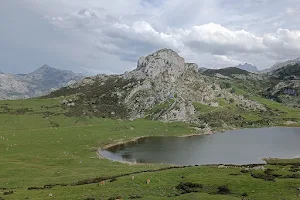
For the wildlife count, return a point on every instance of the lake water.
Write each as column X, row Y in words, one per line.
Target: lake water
column 244, row 146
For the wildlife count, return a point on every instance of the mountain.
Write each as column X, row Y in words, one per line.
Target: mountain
column 281, row 64
column 248, row 67
column 288, row 72
column 40, row 82
column 162, row 87
column 285, row 87
column 202, row 69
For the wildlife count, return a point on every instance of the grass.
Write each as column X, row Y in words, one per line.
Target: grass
column 203, row 108
column 160, row 107
column 286, row 112
column 35, row 153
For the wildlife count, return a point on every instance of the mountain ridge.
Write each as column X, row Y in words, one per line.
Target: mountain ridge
column 248, row 67
column 281, row 64
column 39, row 82
column 162, row 87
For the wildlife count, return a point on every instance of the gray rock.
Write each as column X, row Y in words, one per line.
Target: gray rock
column 281, row 64
column 248, row 67
column 40, row 82
column 164, row 87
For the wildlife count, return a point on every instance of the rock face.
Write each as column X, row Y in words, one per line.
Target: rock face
column 165, row 62
column 40, row 82
column 281, row 64
column 286, row 85
column 162, row 87
column 248, row 67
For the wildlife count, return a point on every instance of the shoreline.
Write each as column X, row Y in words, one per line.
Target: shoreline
column 207, row 132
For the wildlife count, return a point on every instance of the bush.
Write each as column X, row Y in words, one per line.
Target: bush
column 264, row 176
column 296, row 176
column 135, row 197
column 231, row 100
column 223, row 190
column 90, row 198
column 225, row 85
column 244, row 171
column 114, row 198
column 268, row 171
column 188, row 187
column 244, row 194
column 8, row 192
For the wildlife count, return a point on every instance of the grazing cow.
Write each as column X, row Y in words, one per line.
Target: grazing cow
column 132, row 178
column 148, row 181
column 102, row 183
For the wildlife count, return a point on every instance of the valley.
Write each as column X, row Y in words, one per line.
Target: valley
column 49, row 144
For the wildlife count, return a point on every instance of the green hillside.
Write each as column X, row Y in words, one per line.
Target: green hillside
column 42, row 147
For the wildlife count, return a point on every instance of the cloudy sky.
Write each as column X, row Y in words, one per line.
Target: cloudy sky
column 108, row 36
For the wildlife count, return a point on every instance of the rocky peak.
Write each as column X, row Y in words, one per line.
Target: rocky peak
column 37, row 83
column 281, row 64
column 248, row 67
column 164, row 62
column 45, row 69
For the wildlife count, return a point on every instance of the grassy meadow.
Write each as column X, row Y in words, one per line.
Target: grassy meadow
column 47, row 155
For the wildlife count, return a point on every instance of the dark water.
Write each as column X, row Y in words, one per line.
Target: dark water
column 233, row 147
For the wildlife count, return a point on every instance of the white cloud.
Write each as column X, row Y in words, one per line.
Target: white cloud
column 290, row 11
column 283, row 43
column 219, row 40
column 110, row 35
column 131, row 39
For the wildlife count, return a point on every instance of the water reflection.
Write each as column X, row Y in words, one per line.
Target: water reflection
column 232, row 147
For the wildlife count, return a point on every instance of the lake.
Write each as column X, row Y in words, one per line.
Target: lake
column 246, row 146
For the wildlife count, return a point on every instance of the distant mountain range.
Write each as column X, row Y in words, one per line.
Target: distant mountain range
column 40, row 82
column 248, row 67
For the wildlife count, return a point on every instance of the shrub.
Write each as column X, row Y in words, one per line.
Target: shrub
column 114, row 198
column 135, row 197
column 268, row 171
column 90, row 198
column 231, row 100
column 8, row 192
column 296, row 176
column 188, row 187
column 225, row 85
column 244, row 171
column 244, row 194
column 223, row 190
column 264, row 176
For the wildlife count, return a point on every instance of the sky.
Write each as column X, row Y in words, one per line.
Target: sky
column 108, row 36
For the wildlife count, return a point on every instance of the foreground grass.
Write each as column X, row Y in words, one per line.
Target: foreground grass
column 38, row 149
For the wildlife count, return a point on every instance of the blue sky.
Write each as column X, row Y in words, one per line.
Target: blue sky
column 108, row 36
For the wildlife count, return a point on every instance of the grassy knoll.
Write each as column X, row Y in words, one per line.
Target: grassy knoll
column 39, row 146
